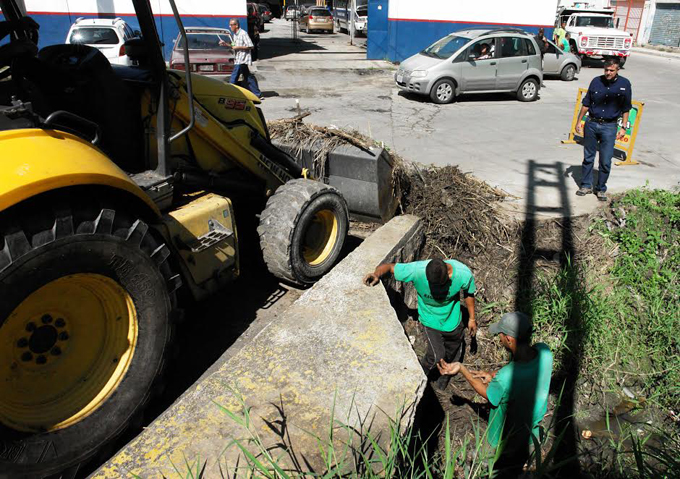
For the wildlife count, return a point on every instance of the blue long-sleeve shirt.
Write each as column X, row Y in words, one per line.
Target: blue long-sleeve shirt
column 608, row 100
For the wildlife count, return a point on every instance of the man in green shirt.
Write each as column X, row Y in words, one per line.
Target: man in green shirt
column 438, row 284
column 518, row 392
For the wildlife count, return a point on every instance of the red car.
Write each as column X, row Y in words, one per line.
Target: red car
column 206, row 55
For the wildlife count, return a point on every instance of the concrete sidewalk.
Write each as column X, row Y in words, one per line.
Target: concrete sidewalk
column 658, row 51
column 280, row 51
column 338, row 356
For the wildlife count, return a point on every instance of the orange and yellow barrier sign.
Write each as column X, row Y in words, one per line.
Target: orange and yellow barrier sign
column 623, row 149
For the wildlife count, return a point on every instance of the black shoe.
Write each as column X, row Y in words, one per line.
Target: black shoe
column 601, row 195
column 582, row 191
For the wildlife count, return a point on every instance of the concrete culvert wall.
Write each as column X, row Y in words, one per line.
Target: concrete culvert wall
column 338, row 355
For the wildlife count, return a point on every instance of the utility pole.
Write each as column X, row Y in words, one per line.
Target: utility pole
column 350, row 19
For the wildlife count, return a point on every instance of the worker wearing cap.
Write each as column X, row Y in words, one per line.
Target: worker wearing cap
column 518, row 392
column 438, row 285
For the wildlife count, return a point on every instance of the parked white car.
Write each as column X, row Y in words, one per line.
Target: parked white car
column 106, row 35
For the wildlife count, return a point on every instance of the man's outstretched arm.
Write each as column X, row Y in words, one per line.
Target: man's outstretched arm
column 373, row 278
column 475, row 380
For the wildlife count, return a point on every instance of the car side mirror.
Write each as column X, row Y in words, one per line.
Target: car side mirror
column 471, row 56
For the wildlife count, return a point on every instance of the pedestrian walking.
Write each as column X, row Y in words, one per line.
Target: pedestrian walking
column 438, row 285
column 608, row 98
column 517, row 393
column 242, row 46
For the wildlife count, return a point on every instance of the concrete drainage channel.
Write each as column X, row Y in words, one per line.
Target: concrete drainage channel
column 338, row 350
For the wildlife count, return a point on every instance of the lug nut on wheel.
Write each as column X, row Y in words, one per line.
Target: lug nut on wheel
column 22, row 343
column 56, row 351
column 41, row 359
column 60, row 323
column 30, row 327
column 46, row 319
column 26, row 356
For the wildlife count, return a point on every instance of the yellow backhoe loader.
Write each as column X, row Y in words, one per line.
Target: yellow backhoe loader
column 116, row 189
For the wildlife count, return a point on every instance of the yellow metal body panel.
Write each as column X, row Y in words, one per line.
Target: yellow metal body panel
column 203, row 235
column 35, row 161
column 217, row 145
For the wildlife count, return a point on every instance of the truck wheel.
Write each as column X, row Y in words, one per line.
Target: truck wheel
column 444, row 91
column 87, row 298
column 622, row 61
column 302, row 230
column 528, row 90
column 568, row 72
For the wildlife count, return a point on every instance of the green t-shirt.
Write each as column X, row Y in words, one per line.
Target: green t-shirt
column 565, row 45
column 442, row 314
column 559, row 35
column 519, row 396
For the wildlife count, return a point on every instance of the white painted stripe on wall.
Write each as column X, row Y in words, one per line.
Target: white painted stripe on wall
column 125, row 7
column 515, row 12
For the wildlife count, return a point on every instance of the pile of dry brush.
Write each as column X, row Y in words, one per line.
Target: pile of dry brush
column 458, row 210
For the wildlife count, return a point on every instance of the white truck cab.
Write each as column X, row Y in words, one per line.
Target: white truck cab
column 593, row 31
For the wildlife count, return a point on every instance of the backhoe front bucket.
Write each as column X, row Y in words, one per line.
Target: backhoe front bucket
column 363, row 176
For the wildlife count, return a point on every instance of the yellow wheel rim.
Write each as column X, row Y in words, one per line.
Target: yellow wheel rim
column 320, row 237
column 63, row 351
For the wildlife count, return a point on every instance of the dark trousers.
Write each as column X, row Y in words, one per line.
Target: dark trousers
column 248, row 77
column 442, row 345
column 597, row 136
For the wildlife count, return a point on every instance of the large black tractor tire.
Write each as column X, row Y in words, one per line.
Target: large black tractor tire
column 85, row 324
column 302, row 230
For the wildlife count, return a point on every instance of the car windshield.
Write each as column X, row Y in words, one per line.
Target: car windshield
column 445, row 47
column 319, row 12
column 205, row 41
column 605, row 22
column 94, row 36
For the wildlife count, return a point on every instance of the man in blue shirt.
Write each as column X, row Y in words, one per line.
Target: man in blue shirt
column 609, row 97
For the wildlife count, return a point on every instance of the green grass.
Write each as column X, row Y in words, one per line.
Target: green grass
column 626, row 321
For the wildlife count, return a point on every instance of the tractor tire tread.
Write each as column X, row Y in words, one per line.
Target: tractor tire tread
column 278, row 222
column 14, row 244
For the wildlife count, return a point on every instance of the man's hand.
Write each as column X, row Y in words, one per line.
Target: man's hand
column 483, row 375
column 224, row 44
column 621, row 134
column 371, row 279
column 450, row 369
column 472, row 327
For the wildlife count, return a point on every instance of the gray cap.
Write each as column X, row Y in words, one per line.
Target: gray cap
column 516, row 325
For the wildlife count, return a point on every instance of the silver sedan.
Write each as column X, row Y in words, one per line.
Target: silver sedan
column 557, row 62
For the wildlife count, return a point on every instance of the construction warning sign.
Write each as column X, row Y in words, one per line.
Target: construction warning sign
column 623, row 149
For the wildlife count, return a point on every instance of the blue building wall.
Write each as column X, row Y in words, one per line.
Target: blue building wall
column 396, row 39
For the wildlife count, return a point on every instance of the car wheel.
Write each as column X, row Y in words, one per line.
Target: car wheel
column 444, row 91
column 528, row 90
column 568, row 72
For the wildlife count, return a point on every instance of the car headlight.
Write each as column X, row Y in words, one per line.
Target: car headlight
column 418, row 73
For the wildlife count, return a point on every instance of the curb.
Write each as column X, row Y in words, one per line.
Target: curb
column 656, row 53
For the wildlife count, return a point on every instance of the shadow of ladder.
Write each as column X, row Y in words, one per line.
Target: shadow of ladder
column 541, row 178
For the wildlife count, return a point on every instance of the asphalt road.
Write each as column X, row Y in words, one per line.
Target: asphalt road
column 493, row 136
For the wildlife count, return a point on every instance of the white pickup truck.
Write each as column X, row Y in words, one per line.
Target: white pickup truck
column 593, row 33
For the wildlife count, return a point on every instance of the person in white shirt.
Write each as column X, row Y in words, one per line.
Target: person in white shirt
column 242, row 46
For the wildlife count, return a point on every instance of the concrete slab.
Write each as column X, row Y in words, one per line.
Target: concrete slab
column 339, row 347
